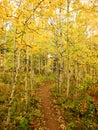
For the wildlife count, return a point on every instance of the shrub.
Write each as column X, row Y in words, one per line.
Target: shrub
column 23, row 123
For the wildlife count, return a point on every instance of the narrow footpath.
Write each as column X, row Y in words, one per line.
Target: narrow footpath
column 51, row 117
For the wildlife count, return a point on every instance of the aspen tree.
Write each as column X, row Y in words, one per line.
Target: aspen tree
column 32, row 72
column 68, row 55
column 14, row 79
column 61, row 54
column 26, row 77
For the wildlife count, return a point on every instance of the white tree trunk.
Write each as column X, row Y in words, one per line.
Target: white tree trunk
column 14, row 79
column 68, row 58
column 26, row 79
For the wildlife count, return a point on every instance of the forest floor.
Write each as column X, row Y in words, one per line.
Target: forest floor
column 51, row 114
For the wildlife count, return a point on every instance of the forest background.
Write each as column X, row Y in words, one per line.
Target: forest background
column 43, row 41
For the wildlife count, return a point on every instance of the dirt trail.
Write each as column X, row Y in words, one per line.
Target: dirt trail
column 50, row 115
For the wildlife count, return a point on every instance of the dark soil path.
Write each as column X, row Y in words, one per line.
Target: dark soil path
column 51, row 115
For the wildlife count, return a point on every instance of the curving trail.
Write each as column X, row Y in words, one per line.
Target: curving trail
column 50, row 115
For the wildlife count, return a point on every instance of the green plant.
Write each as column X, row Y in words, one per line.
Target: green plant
column 23, row 123
column 37, row 113
column 71, row 125
column 6, row 78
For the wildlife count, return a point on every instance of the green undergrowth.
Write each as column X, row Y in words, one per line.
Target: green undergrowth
column 40, row 80
column 80, row 109
column 21, row 118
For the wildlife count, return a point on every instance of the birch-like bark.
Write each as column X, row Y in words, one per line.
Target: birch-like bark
column 19, row 57
column 5, row 52
column 26, row 79
column 76, row 74
column 14, row 79
column 68, row 58
column 32, row 73
column 61, row 55
column 39, row 60
column 57, row 62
